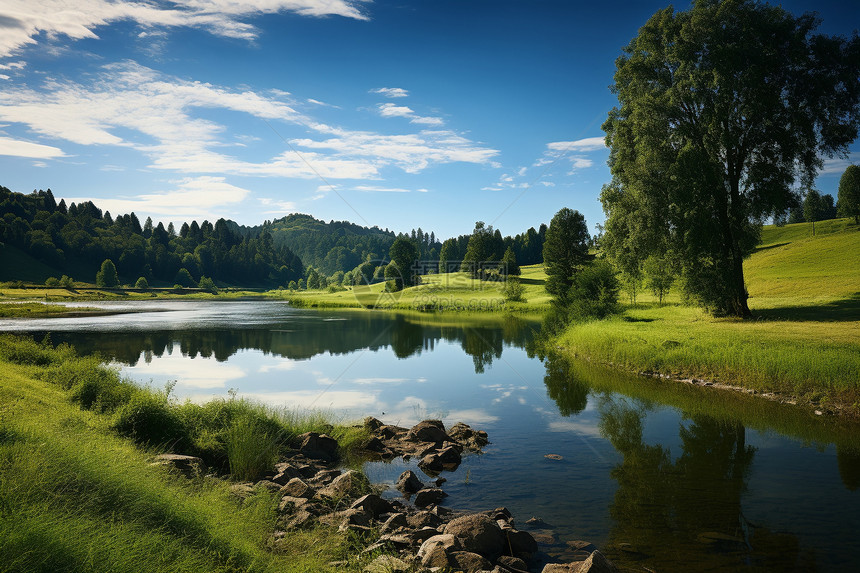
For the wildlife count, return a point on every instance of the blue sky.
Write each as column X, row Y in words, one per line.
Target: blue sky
column 401, row 114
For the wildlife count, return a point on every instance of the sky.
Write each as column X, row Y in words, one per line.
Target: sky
column 400, row 114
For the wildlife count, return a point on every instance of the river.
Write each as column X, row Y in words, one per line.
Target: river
column 659, row 475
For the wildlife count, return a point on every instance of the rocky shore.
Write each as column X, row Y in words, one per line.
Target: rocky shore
column 414, row 534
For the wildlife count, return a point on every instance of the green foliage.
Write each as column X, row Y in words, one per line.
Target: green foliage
column 403, row 254
column 565, row 250
column 207, row 285
column 67, row 282
column 252, row 447
column 393, row 278
column 52, row 282
column 513, row 290
column 301, row 284
column 813, row 208
column 722, row 109
column 184, row 278
column 848, row 203
column 660, row 275
column 293, row 285
column 142, row 283
column 150, row 419
column 509, row 263
column 595, row 290
column 106, row 277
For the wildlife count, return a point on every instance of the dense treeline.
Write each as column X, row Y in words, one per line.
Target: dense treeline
column 77, row 239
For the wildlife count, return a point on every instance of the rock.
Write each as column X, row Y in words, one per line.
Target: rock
column 434, row 551
column 299, row 519
column 189, row 466
column 560, row 568
column 409, row 483
column 387, row 564
column 267, row 485
column 479, row 534
column 536, row 523
column 373, row 444
column 347, row 517
column 373, row 504
column 428, row 431
column 297, row 488
column 423, row 519
column 284, row 476
column 447, row 459
column 429, row 496
column 596, row 563
column 467, row 437
column 350, row 483
column 324, row 477
column 580, row 545
column 468, row 562
column 394, row 522
column 289, row 504
column 318, row 446
column 520, row 543
column 512, row 564
column 545, row 537
column 371, row 424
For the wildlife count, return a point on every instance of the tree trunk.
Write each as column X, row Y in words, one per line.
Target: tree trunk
column 738, row 304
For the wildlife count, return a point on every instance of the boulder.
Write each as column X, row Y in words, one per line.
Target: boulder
column 394, row 522
column 446, row 459
column 560, row 568
column 347, row 517
column 373, row 504
column 267, row 485
column 324, row 477
column 468, row 562
column 428, row 431
column 189, row 466
column 434, row 551
column 520, row 543
column 371, row 424
column 318, row 446
column 350, row 483
column 596, row 563
column 297, row 488
column 429, row 496
column 424, row 519
column 289, row 504
column 409, row 483
column 467, row 437
column 479, row 534
column 512, row 564
column 301, row 518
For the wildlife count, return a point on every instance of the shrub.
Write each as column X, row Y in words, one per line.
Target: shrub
column 207, row 285
column 52, row 282
column 252, row 447
column 150, row 419
column 142, row 284
column 67, row 281
column 595, row 291
column 513, row 290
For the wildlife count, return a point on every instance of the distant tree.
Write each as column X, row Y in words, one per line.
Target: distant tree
column 448, row 254
column 393, row 277
column 404, row 254
column 660, row 275
column 509, row 263
column 848, row 203
column 565, row 250
column 336, row 278
column 67, row 281
column 293, row 285
column 207, row 285
column 813, row 208
column 722, row 108
column 184, row 278
column 106, row 277
column 142, row 284
column 313, row 279
column 147, row 228
column 52, row 282
column 828, row 207
column 479, row 250
column 301, row 284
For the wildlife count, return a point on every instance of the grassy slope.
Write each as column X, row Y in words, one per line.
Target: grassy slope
column 75, row 497
column 447, row 291
column 804, row 340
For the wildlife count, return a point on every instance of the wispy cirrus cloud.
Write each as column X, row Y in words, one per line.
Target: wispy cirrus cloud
column 575, row 152
column 27, row 22
column 18, row 148
column 391, row 92
column 132, row 106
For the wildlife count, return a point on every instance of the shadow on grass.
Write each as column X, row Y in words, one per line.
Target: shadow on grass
column 532, row 281
column 767, row 247
column 847, row 309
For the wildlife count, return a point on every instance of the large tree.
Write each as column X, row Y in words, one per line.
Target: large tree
column 404, row 255
column 722, row 110
column 848, row 202
column 565, row 250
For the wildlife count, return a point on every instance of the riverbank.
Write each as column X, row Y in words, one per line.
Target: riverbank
column 79, row 491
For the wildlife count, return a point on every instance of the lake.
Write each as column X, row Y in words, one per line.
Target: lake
column 661, row 476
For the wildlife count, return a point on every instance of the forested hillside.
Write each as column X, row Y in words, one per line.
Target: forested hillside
column 75, row 240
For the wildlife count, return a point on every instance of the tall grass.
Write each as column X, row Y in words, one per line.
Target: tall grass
column 75, row 496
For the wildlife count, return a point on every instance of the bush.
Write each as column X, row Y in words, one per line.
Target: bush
column 252, row 447
column 150, row 419
column 595, row 291
column 142, row 284
column 208, row 285
column 513, row 290
column 67, row 281
column 183, row 277
column 52, row 282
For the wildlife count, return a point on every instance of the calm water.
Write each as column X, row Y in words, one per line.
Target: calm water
column 661, row 476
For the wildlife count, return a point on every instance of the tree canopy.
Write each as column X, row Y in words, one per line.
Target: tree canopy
column 848, row 202
column 565, row 250
column 722, row 110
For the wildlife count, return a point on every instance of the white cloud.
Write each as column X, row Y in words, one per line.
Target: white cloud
column 375, row 189
column 193, row 198
column 200, row 373
column 17, row 148
column 393, row 110
column 587, row 144
column 391, row 92
column 133, row 106
column 838, row 165
column 277, row 207
column 25, row 20
column 13, row 66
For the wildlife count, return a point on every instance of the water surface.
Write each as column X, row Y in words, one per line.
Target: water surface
column 661, row 476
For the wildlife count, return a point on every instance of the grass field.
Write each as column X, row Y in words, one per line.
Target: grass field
column 804, row 340
column 75, row 496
